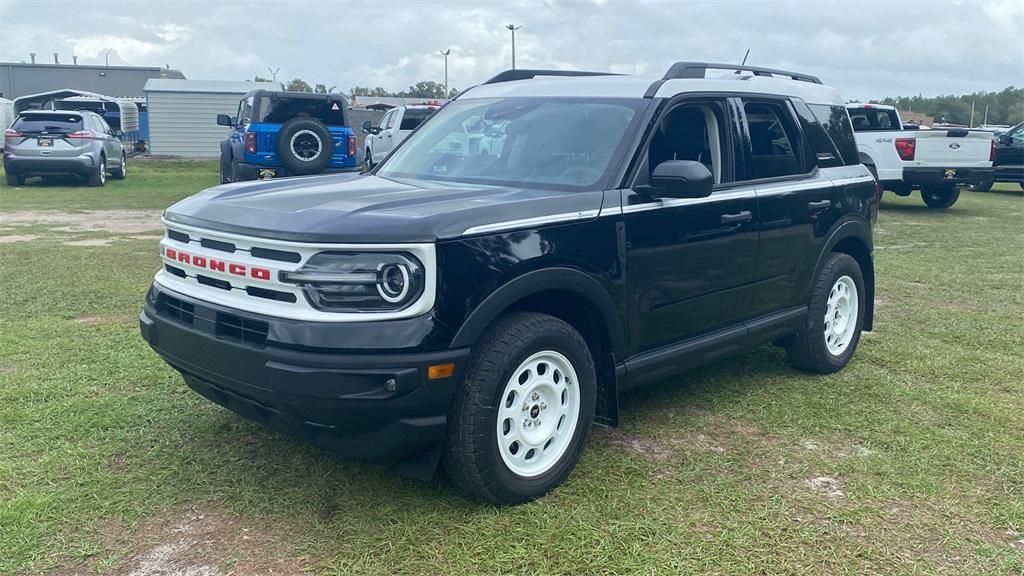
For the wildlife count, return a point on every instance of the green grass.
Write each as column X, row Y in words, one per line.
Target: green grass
column 102, row 447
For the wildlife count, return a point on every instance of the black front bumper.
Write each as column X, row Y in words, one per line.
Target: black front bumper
column 948, row 176
column 1009, row 173
column 367, row 406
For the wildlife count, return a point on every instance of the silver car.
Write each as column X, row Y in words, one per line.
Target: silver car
column 52, row 142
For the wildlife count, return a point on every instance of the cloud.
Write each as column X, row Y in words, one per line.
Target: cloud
column 867, row 49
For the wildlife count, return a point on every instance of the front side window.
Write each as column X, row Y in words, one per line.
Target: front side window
column 691, row 131
column 384, row 121
column 563, row 143
column 244, row 111
column 773, row 140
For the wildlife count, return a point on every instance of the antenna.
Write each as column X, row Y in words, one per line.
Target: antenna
column 745, row 57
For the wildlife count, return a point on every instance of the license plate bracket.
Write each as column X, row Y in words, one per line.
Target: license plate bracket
column 44, row 142
column 949, row 174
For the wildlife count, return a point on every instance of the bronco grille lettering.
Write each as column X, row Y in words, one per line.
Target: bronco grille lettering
column 217, row 265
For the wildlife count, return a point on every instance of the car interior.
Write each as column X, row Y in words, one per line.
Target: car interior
column 689, row 132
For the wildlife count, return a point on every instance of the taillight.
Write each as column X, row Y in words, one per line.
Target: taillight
column 351, row 146
column 250, row 142
column 992, row 152
column 905, row 148
column 12, row 133
column 82, row 135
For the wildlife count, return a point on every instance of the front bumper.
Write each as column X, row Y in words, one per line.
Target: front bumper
column 248, row 172
column 954, row 176
column 1009, row 174
column 82, row 165
column 339, row 401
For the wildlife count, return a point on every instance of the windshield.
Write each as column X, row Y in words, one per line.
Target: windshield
column 556, row 143
column 51, row 123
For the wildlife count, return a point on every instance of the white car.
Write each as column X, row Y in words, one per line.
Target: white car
column 938, row 161
column 393, row 128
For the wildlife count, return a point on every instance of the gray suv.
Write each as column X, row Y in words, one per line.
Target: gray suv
column 52, row 142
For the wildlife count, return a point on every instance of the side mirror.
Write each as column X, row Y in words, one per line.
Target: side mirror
column 225, row 120
column 367, row 127
column 681, row 179
column 1005, row 139
column 118, row 133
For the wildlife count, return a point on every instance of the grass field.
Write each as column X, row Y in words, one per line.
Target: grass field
column 910, row 461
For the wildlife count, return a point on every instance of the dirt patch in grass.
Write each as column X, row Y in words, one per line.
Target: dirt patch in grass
column 826, row 486
column 112, row 221
column 202, row 542
column 18, row 238
column 647, row 447
column 90, row 242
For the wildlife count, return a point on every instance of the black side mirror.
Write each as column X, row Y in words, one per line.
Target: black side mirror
column 118, row 133
column 681, row 179
column 367, row 127
column 225, row 120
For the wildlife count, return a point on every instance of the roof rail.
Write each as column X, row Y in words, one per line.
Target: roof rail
column 699, row 69
column 522, row 74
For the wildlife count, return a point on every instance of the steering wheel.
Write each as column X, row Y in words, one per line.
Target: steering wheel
column 582, row 173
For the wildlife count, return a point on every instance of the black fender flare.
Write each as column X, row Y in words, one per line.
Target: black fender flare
column 536, row 281
column 862, row 232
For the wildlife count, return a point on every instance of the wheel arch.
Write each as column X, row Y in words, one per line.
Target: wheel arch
column 573, row 297
column 854, row 238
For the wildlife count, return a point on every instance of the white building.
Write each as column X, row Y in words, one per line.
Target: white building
column 6, row 113
column 183, row 114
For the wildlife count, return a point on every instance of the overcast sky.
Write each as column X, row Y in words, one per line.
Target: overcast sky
column 866, row 49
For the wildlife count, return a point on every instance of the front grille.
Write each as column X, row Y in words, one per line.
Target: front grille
column 271, row 254
column 270, row 294
column 244, row 329
column 217, row 245
column 175, row 309
column 179, row 236
column 215, row 282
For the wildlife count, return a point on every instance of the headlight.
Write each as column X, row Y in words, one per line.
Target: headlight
column 360, row 281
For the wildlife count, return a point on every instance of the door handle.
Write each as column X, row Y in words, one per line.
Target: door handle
column 737, row 218
column 819, row 206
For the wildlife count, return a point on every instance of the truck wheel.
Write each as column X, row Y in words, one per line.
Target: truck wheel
column 835, row 318
column 305, row 146
column 984, row 187
column 226, row 164
column 122, row 172
column 522, row 411
column 940, row 197
column 368, row 160
column 14, row 179
column 99, row 176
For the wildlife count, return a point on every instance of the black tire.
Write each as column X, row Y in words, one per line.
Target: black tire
column 367, row 161
column 982, row 187
column 808, row 349
column 304, row 146
column 939, row 197
column 226, row 168
column 236, row 173
column 14, row 179
column 99, row 176
column 472, row 455
column 121, row 172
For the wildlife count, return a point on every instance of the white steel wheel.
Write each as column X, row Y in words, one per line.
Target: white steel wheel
column 538, row 412
column 841, row 314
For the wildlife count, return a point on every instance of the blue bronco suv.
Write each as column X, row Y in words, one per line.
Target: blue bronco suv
column 279, row 134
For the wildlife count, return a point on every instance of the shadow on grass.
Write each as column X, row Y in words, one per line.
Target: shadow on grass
column 54, row 182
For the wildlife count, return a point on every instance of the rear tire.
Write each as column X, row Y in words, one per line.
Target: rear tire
column 368, row 160
column 835, row 318
column 99, row 177
column 983, row 187
column 14, row 179
column 522, row 411
column 226, row 167
column 940, row 197
column 304, row 146
column 122, row 172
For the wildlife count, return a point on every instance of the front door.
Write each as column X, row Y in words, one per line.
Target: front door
column 690, row 262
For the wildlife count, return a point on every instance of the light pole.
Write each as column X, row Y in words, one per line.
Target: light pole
column 273, row 73
column 513, row 28
column 445, row 53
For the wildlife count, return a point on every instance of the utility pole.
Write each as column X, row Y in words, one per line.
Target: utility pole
column 513, row 28
column 273, row 73
column 971, row 125
column 986, row 114
column 106, row 57
column 445, row 53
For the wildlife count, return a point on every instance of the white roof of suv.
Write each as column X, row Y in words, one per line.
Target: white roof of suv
column 751, row 80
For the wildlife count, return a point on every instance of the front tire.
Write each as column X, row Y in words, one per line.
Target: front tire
column 835, row 318
column 523, row 410
column 368, row 160
column 940, row 197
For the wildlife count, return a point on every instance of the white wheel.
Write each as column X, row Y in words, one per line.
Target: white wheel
column 841, row 315
column 538, row 413
column 306, row 145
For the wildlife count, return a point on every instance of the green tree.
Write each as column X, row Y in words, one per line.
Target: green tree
column 425, row 89
column 1005, row 107
column 259, row 78
column 367, row 91
column 298, row 85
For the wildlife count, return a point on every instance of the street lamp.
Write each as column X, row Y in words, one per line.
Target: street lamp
column 513, row 28
column 445, row 53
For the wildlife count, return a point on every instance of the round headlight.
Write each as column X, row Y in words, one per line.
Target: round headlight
column 393, row 282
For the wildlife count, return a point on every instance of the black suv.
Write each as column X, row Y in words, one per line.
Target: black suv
column 542, row 243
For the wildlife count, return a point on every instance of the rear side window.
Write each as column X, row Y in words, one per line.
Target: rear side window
column 278, row 110
column 51, row 123
column 774, row 142
column 836, row 122
column 413, row 117
column 823, row 151
column 874, row 119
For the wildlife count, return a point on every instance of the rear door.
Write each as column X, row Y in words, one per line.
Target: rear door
column 796, row 200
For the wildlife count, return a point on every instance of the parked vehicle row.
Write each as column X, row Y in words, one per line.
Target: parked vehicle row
column 544, row 242
column 1009, row 158
column 394, row 127
column 938, row 162
column 61, row 142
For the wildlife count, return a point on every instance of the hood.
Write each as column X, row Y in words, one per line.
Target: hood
column 362, row 208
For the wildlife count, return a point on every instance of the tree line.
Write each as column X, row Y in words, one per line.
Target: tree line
column 1005, row 107
column 422, row 89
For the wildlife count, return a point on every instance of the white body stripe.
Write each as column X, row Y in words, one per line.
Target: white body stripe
column 531, row 222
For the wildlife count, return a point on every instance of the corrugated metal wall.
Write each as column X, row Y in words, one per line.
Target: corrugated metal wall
column 185, row 123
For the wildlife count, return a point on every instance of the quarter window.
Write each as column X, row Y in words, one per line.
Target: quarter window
column 822, row 151
column 773, row 141
column 836, row 122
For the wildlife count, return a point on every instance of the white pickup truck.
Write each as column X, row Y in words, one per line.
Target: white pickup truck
column 394, row 126
column 939, row 162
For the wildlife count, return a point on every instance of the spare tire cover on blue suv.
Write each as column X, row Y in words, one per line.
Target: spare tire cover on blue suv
column 305, row 146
